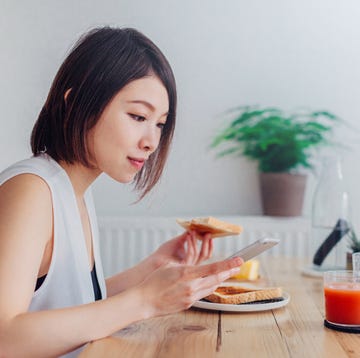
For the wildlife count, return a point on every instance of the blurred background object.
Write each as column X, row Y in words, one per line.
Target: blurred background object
column 282, row 144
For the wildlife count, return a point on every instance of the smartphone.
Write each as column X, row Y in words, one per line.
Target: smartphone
column 255, row 248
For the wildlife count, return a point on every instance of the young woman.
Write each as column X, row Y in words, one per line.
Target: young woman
column 111, row 109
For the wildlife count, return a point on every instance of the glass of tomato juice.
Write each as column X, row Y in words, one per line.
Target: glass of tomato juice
column 342, row 300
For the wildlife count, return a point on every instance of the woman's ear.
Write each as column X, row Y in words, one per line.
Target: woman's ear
column 66, row 94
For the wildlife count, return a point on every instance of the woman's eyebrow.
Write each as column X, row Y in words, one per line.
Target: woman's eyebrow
column 147, row 104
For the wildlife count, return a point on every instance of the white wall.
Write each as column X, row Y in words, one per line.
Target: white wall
column 224, row 53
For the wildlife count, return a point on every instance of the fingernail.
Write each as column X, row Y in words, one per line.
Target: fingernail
column 238, row 261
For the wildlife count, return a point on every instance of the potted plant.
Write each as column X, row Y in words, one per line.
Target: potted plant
column 283, row 144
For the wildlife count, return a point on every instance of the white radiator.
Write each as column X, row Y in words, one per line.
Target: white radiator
column 124, row 241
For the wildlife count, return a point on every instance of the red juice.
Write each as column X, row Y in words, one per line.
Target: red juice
column 342, row 303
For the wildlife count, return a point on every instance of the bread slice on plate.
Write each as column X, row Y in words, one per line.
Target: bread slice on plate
column 236, row 295
column 216, row 227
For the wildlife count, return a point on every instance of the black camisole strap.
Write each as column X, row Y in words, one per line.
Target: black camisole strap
column 96, row 286
column 94, row 279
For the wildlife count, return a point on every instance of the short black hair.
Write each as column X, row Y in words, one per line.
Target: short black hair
column 101, row 63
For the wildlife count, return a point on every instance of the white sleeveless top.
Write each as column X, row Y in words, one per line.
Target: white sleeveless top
column 68, row 281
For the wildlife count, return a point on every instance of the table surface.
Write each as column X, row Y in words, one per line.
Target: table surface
column 295, row 330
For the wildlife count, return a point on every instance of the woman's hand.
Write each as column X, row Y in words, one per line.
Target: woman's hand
column 180, row 250
column 174, row 287
column 184, row 249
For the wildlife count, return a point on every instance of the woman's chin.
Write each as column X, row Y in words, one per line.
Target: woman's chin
column 123, row 179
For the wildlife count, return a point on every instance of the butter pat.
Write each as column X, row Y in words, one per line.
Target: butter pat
column 249, row 270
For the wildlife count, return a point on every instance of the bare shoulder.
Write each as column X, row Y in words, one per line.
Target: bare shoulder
column 24, row 184
column 26, row 199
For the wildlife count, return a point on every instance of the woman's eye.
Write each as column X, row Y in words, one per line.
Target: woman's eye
column 161, row 125
column 137, row 118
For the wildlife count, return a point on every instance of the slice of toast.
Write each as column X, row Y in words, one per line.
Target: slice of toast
column 216, row 227
column 236, row 295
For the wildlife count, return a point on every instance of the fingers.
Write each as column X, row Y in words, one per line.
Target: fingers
column 206, row 291
column 180, row 252
column 192, row 250
column 185, row 248
column 211, row 247
column 209, row 284
column 215, row 268
column 201, row 287
column 181, row 285
column 194, row 256
column 206, row 248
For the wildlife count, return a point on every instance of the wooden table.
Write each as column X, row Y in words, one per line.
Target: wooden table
column 295, row 330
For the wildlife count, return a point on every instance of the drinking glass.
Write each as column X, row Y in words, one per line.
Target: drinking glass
column 342, row 300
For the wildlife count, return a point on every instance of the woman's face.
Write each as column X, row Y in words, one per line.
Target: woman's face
column 129, row 129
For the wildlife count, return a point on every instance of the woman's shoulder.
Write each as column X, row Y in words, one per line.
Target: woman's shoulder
column 26, row 199
column 27, row 188
column 42, row 166
column 28, row 180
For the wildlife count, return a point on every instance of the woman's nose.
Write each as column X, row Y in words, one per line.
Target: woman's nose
column 150, row 140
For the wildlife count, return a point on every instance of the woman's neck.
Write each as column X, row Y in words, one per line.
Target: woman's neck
column 80, row 176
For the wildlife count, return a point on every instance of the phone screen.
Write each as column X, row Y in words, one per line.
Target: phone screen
column 255, row 248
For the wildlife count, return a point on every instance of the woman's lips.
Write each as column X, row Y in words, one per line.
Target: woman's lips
column 136, row 162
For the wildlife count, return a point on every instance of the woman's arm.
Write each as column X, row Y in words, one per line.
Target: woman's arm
column 130, row 277
column 55, row 332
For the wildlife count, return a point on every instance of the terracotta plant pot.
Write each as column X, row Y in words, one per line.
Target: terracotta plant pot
column 282, row 193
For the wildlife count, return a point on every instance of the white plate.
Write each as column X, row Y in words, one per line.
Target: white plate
column 245, row 307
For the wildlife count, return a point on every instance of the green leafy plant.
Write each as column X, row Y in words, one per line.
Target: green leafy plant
column 280, row 142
